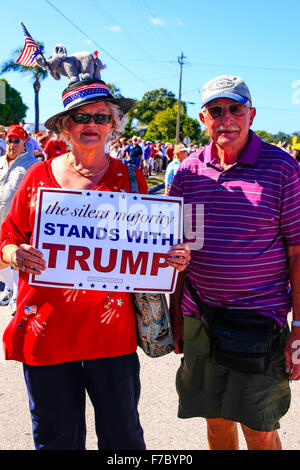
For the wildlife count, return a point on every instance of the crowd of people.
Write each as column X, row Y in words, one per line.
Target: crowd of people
column 293, row 151
column 150, row 157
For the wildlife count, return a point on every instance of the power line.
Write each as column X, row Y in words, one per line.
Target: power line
column 106, row 14
column 153, row 30
column 154, row 60
column 252, row 67
column 98, row 45
column 162, row 30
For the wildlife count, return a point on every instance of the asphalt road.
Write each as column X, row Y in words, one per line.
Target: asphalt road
column 158, row 408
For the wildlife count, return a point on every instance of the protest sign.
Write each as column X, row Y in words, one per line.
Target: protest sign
column 100, row 240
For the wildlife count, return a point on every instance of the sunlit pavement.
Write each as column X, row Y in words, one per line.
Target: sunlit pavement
column 158, row 408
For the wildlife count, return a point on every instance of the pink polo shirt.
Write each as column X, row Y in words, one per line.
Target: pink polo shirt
column 251, row 214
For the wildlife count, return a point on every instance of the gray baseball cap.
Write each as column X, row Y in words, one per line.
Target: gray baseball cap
column 226, row 86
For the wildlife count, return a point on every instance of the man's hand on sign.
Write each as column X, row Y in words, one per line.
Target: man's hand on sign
column 179, row 256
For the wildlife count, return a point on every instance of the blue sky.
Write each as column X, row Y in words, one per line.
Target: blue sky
column 140, row 42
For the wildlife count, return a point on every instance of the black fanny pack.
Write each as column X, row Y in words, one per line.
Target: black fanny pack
column 241, row 340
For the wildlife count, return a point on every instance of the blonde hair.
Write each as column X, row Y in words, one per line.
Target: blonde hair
column 119, row 122
column 177, row 149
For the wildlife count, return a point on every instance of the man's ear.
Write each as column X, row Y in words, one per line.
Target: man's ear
column 252, row 115
column 202, row 118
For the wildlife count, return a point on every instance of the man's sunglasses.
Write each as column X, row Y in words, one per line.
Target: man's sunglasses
column 85, row 118
column 235, row 109
column 13, row 141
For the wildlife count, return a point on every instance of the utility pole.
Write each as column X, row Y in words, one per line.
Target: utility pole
column 180, row 61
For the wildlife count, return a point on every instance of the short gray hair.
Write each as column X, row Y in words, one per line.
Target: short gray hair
column 118, row 119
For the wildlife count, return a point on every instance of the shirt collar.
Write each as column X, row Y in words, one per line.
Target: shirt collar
column 249, row 155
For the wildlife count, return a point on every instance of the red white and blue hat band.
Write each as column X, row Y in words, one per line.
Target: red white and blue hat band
column 83, row 93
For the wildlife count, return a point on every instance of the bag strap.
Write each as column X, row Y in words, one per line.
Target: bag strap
column 193, row 292
column 132, row 178
column 207, row 315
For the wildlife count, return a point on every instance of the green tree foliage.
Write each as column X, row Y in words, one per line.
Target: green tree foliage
column 14, row 110
column 266, row 136
column 152, row 102
column 163, row 126
column 115, row 91
column 276, row 138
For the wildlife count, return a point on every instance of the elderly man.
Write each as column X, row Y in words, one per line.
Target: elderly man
column 243, row 279
column 2, row 140
column 13, row 166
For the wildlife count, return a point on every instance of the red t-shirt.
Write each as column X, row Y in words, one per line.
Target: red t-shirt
column 65, row 324
column 54, row 148
column 170, row 153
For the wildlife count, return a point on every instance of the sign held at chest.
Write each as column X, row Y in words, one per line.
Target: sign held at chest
column 98, row 240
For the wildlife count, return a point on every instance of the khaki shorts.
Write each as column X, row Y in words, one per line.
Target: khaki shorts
column 211, row 391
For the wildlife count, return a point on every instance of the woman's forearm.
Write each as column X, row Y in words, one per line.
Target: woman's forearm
column 9, row 255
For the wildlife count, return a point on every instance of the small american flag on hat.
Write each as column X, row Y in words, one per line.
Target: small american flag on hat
column 29, row 48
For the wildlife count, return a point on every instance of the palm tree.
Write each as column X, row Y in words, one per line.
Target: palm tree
column 37, row 73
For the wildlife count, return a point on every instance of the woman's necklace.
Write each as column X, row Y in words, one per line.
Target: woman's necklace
column 86, row 175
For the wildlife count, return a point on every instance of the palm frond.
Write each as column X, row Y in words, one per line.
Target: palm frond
column 11, row 65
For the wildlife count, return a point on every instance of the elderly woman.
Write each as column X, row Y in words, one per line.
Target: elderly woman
column 57, row 333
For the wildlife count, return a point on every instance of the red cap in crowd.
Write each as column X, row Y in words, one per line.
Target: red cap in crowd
column 16, row 132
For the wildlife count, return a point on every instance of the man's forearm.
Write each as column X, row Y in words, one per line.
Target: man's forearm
column 294, row 275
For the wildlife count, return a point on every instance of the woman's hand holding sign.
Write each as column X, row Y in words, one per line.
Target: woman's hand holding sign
column 25, row 258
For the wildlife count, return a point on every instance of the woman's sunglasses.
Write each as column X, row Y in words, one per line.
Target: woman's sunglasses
column 85, row 118
column 13, row 141
column 235, row 109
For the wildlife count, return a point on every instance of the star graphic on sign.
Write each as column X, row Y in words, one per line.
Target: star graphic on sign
column 135, row 198
column 111, row 196
column 92, row 285
column 88, row 194
column 116, row 287
column 123, row 196
column 80, row 284
column 100, row 195
column 120, row 302
column 127, row 287
column 104, row 286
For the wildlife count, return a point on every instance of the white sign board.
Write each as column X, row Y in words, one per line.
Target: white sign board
column 100, row 240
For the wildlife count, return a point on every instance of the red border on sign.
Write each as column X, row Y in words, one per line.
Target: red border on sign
column 59, row 284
